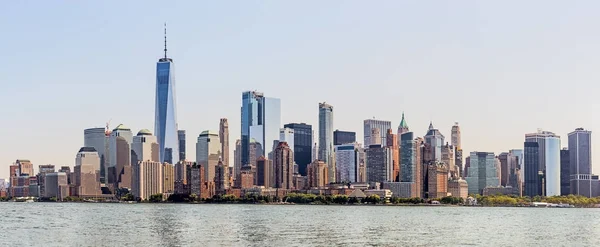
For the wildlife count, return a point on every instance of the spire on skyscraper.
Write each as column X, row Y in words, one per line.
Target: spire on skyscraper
column 403, row 122
column 431, row 125
column 165, row 40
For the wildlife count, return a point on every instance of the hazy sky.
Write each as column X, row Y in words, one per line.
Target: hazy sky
column 501, row 69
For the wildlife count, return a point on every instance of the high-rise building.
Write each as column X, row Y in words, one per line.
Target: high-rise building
column 208, row 153
column 147, row 179
column 379, row 164
column 504, row 168
column 224, row 139
column 382, row 125
column 264, row 172
column 565, row 172
column 168, row 178
column 317, row 174
column 347, row 158
column 119, row 165
column 303, row 140
column 237, row 158
column 326, row 138
column 411, row 170
column 181, row 139
column 435, row 139
column 533, row 173
column 343, row 137
column 287, row 135
column 402, row 128
column 392, row 143
column 57, row 185
column 549, row 160
column 284, row 166
column 375, row 134
column 25, row 167
column 221, row 177
column 261, row 120
column 145, row 147
column 181, row 177
column 86, row 169
column 165, row 116
column 41, row 177
column 455, row 136
column 196, row 180
column 437, row 180
column 580, row 161
column 448, row 159
column 482, row 172
column 97, row 138
column 519, row 163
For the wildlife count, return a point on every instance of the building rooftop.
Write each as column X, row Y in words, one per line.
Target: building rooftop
column 121, row 127
column 144, row 132
column 86, row 149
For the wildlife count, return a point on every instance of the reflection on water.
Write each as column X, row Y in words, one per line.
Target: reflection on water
column 91, row 224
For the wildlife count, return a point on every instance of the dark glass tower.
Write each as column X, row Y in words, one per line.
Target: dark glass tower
column 165, row 117
column 181, row 137
column 302, row 145
column 533, row 178
column 343, row 137
column 565, row 173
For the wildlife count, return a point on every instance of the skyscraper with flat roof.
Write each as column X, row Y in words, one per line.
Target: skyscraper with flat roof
column 343, row 137
column 85, row 170
column 549, row 160
column 224, row 139
column 208, row 152
column 181, row 139
column 261, row 120
column 382, row 125
column 97, row 138
column 565, row 172
column 326, row 138
column 580, row 161
column 165, row 117
column 482, row 172
column 303, row 137
column 347, row 158
column 284, row 166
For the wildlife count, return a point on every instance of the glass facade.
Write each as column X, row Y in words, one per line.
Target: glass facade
column 165, row 122
column 408, row 158
column 533, row 183
column 302, row 145
column 482, row 172
column 326, row 138
column 343, row 137
column 371, row 124
column 346, row 161
column 181, row 137
column 436, row 140
column 260, row 121
column 552, row 178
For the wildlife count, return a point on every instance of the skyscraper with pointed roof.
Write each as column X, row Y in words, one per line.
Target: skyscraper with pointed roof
column 165, row 117
column 403, row 127
column 436, row 140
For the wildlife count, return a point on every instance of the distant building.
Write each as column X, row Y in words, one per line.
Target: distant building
column 145, row 147
column 317, row 174
column 549, row 160
column 168, row 178
column 237, row 158
column 264, row 172
column 41, row 177
column 411, row 170
column 580, row 161
column 246, row 179
column 196, row 181
column 57, row 185
column 165, row 111
column 436, row 140
column 326, row 138
column 343, row 137
column 379, row 164
column 533, row 173
column 87, row 164
column 181, row 139
column 500, row 190
column 402, row 128
column 437, row 180
column 284, row 166
column 182, row 169
column 382, row 125
column 287, row 135
column 458, row 188
column 98, row 139
column 448, row 159
column 347, row 158
column 221, row 177
column 303, row 139
column 504, row 168
column 147, row 179
column 208, row 152
column 224, row 140
column 119, row 166
column 482, row 172
column 261, row 120
column 400, row 189
column 392, row 143
column 565, row 172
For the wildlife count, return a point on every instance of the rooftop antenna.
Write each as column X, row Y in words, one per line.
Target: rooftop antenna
column 165, row 40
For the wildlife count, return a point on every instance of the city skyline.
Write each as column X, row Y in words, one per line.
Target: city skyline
column 61, row 136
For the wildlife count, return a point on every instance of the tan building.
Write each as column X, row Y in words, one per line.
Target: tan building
column 168, row 178
column 57, row 185
column 449, row 160
column 145, row 147
column 25, row 167
column 437, row 180
column 264, row 172
column 317, row 174
column 392, row 142
column 284, row 166
column 147, row 179
column 224, row 140
column 237, row 159
column 87, row 179
column 208, row 153
column 300, row 182
column 182, row 168
column 246, row 179
column 458, row 188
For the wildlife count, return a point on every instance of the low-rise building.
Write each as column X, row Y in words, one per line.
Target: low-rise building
column 458, row 188
column 383, row 193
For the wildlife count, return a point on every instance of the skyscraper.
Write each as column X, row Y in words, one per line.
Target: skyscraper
column 533, row 180
column 224, row 139
column 237, row 158
column 165, row 116
column 181, row 138
column 392, row 143
column 343, row 137
column 326, row 138
column 379, row 164
column 455, row 135
column 482, row 172
column 221, row 177
column 119, row 167
column 411, row 170
column 382, row 125
column 580, row 160
column 208, row 152
column 261, row 120
column 264, row 172
column 303, row 139
column 85, row 170
column 317, row 174
column 375, row 137
column 284, row 166
column 435, row 139
column 96, row 138
column 402, row 128
column 147, row 179
column 565, row 172
column 347, row 157
column 549, row 160
column 145, row 147
column 287, row 135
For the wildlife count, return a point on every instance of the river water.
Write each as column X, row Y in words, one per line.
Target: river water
column 103, row 224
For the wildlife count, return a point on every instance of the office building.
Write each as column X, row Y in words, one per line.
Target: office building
column 86, row 168
column 221, row 177
column 98, row 139
column 326, row 138
column 147, row 179
column 379, row 164
column 25, row 167
column 119, row 166
column 520, row 158
column 402, row 128
column 482, row 172
column 347, row 157
column 237, row 158
column 533, row 173
column 455, row 136
column 208, row 153
column 246, row 178
column 317, row 174
column 549, row 160
column 580, row 161
column 503, row 158
column 448, row 159
column 165, row 115
column 375, row 134
column 392, row 143
column 264, row 172
column 41, row 177
column 303, row 140
column 437, row 180
column 565, row 172
column 181, row 139
column 57, row 185
column 343, row 137
column 168, row 178
column 411, row 170
column 458, row 188
column 436, row 140
column 224, row 140
column 283, row 161
column 382, row 125
column 145, row 147
column 196, row 179
column 182, row 170
column 261, row 120
column 287, row 135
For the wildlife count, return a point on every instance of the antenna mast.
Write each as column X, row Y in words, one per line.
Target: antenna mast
column 165, row 40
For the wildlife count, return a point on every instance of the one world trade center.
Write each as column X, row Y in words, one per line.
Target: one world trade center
column 165, row 117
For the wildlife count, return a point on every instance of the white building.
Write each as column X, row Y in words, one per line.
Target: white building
column 549, row 158
column 347, row 158
column 287, row 135
column 145, row 147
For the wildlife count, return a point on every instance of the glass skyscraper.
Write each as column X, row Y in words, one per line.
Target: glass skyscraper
column 549, row 160
column 261, row 121
column 302, row 145
column 326, row 138
column 165, row 117
column 371, row 124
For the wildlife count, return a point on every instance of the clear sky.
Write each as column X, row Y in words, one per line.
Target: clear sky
column 499, row 68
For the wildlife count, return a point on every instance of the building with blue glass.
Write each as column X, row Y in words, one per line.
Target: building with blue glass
column 165, row 117
column 261, row 121
column 436, row 140
column 326, row 138
column 303, row 139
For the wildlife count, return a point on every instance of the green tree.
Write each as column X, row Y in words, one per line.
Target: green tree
column 156, row 197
